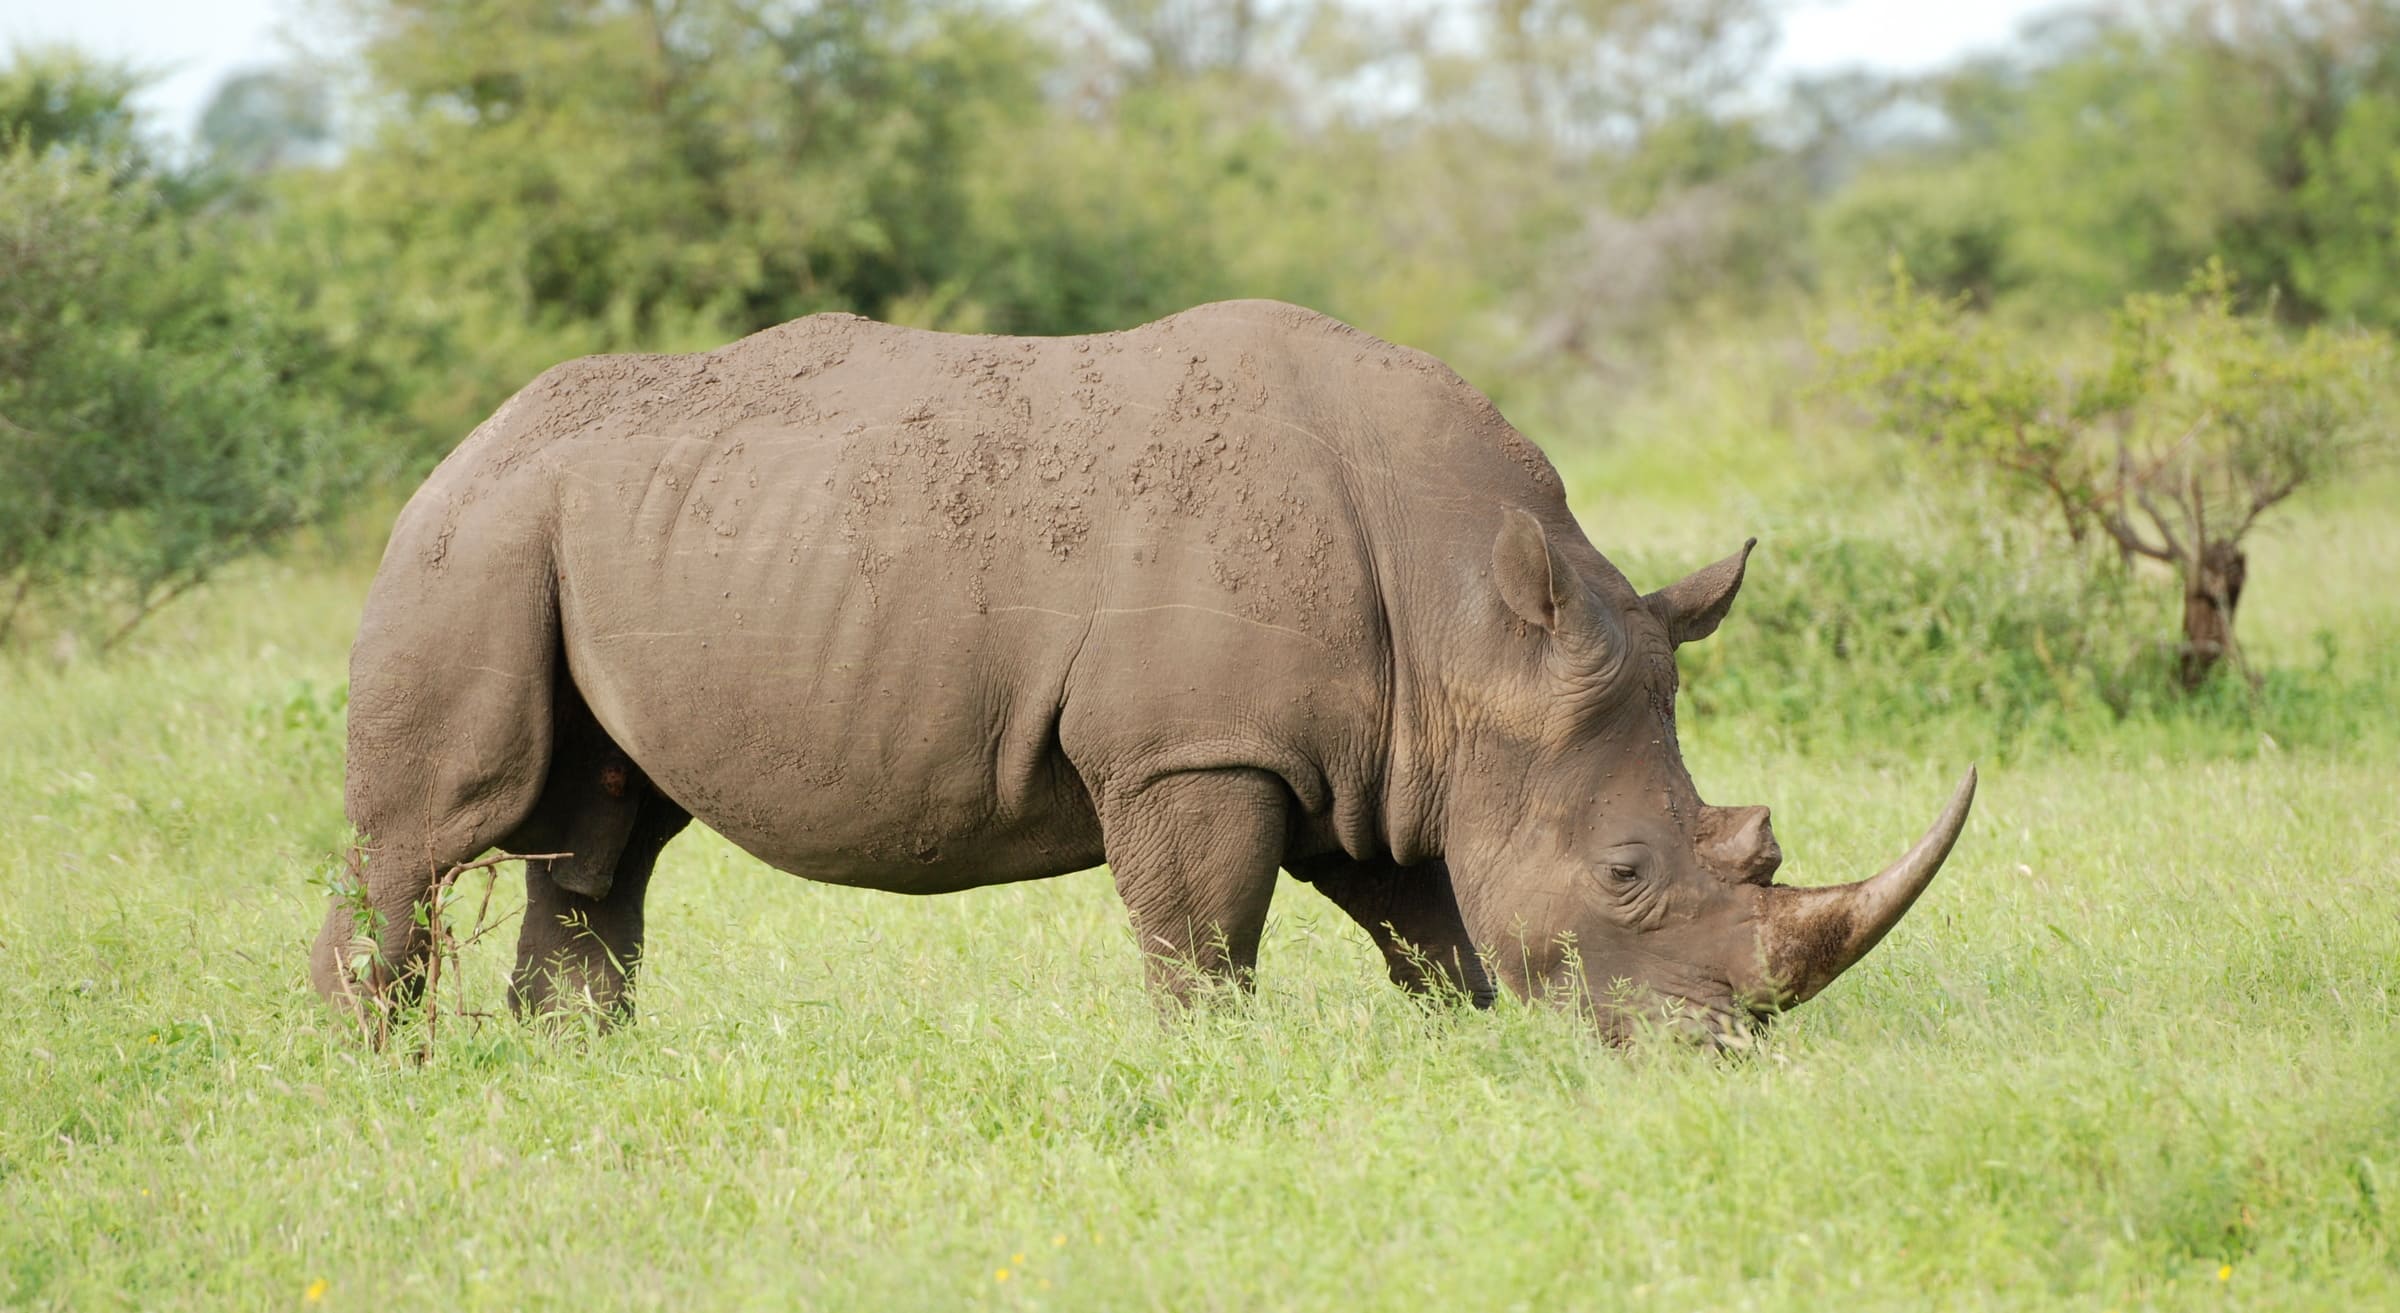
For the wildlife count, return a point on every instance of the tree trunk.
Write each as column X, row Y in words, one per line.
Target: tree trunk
column 2212, row 588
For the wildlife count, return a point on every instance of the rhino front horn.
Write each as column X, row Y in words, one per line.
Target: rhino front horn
column 1814, row 935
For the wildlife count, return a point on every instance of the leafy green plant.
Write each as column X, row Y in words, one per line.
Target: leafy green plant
column 158, row 418
column 2193, row 420
column 1891, row 644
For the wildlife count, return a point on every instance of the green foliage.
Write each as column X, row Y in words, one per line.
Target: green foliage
column 1959, row 631
column 2253, row 411
column 2133, row 161
column 59, row 99
column 156, row 420
column 2351, row 206
column 1990, row 634
column 2143, row 142
column 2190, row 396
column 2193, row 421
column 554, row 177
column 1938, row 223
column 1183, row 196
column 537, row 179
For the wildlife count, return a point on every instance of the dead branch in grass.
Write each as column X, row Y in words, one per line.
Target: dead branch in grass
column 444, row 944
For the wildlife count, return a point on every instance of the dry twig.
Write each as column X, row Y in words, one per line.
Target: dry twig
column 443, row 944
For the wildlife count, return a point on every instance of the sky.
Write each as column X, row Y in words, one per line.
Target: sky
column 194, row 44
column 1893, row 36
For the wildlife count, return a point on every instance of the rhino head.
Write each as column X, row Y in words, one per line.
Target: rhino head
column 1585, row 863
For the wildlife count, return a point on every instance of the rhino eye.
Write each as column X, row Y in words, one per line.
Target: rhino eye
column 1619, row 868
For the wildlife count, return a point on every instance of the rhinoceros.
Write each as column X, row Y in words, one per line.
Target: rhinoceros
column 1238, row 590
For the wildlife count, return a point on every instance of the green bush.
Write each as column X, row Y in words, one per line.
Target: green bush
column 2126, row 144
column 1939, row 223
column 156, row 419
column 1986, row 636
column 2197, row 418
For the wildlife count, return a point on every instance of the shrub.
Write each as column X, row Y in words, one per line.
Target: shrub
column 1989, row 635
column 2196, row 419
column 157, row 419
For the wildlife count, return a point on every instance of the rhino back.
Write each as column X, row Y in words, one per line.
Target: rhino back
column 885, row 606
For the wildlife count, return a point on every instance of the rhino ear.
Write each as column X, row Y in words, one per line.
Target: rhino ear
column 1691, row 606
column 1531, row 578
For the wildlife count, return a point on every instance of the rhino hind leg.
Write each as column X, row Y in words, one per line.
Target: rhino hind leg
column 581, row 942
column 453, row 683
column 1194, row 856
column 1411, row 912
column 582, row 934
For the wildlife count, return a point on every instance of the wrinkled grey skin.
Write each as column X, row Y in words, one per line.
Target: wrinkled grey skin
column 1240, row 589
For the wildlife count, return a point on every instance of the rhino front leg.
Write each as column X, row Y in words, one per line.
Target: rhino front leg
column 1194, row 857
column 577, row 954
column 1411, row 913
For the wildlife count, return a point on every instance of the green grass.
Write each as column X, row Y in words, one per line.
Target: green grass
column 2143, row 1029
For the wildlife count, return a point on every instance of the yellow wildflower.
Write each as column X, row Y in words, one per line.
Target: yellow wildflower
column 315, row 1291
column 1000, row 1275
column 2225, row 1273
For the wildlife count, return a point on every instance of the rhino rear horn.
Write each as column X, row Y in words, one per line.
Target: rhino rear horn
column 1692, row 606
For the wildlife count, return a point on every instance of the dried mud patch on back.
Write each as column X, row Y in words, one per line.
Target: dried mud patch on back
column 1273, row 554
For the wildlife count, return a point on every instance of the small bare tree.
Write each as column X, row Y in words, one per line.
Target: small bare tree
column 2192, row 421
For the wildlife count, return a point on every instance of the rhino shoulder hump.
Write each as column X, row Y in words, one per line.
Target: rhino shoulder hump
column 1258, row 314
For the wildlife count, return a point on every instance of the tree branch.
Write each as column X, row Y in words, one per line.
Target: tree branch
column 2131, row 538
column 145, row 605
column 2262, row 498
column 2158, row 517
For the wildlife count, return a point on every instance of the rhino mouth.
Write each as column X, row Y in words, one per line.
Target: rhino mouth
column 1722, row 1022
column 1723, row 1029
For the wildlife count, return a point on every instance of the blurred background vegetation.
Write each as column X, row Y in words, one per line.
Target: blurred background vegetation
column 2008, row 360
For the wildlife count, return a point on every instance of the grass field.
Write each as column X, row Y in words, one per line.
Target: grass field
column 2139, row 1048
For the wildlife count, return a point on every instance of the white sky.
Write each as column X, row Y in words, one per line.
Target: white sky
column 1893, row 36
column 196, row 43
column 193, row 44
